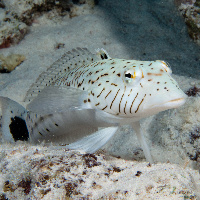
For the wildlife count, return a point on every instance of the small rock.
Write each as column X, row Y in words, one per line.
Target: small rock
column 8, row 63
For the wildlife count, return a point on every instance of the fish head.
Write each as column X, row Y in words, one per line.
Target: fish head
column 154, row 89
column 139, row 89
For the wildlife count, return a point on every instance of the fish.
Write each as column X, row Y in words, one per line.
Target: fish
column 83, row 98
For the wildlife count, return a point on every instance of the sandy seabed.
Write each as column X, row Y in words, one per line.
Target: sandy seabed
column 40, row 172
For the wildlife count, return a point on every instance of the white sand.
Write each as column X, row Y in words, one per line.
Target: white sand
column 40, row 173
column 168, row 133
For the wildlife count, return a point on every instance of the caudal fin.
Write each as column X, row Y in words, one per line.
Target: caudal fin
column 13, row 120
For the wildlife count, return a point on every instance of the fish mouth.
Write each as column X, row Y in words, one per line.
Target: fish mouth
column 174, row 103
column 177, row 100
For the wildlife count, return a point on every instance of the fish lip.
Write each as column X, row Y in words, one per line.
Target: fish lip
column 177, row 102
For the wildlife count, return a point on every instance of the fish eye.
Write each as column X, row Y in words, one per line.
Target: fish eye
column 132, row 76
column 128, row 75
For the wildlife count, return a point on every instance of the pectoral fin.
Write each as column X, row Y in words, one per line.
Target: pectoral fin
column 95, row 141
column 57, row 99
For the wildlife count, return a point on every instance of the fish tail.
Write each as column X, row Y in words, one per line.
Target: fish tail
column 13, row 121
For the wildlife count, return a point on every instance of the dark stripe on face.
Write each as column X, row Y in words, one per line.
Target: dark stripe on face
column 108, row 94
column 104, row 108
column 153, row 74
column 130, row 93
column 133, row 102
column 122, row 98
column 140, row 103
column 100, row 93
column 125, row 108
column 114, row 99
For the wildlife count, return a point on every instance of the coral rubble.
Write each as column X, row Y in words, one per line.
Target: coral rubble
column 29, row 172
column 17, row 15
column 191, row 12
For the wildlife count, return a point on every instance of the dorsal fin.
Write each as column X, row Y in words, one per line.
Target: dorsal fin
column 75, row 58
column 102, row 54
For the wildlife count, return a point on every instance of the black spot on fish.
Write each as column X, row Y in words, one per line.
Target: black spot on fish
column 104, row 56
column 114, row 84
column 19, row 129
column 106, row 74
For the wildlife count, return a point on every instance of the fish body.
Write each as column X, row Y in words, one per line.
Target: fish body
column 126, row 88
column 83, row 91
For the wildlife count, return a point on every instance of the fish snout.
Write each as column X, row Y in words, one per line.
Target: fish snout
column 176, row 102
column 161, row 103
